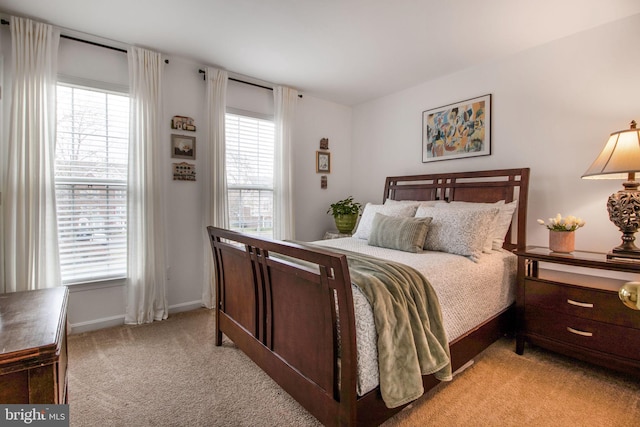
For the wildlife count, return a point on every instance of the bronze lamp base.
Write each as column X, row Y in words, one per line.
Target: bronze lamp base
column 624, row 212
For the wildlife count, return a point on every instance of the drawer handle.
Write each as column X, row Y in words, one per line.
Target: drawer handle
column 580, row 304
column 577, row 332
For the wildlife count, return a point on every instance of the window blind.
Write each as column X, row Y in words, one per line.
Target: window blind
column 250, row 159
column 91, row 183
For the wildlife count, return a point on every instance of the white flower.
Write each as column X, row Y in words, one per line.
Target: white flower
column 568, row 223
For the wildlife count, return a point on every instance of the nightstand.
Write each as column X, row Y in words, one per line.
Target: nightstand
column 579, row 315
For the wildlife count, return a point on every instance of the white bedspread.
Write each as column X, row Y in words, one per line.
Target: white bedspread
column 469, row 294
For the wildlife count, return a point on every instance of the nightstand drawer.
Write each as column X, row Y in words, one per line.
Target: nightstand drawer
column 604, row 337
column 600, row 305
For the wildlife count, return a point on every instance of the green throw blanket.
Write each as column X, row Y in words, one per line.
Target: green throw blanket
column 411, row 338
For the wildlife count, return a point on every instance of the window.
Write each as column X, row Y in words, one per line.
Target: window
column 91, row 183
column 250, row 158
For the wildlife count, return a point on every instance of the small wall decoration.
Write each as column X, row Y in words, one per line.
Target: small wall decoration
column 323, row 182
column 457, row 130
column 184, row 172
column 324, row 144
column 323, row 162
column 183, row 123
column 183, row 147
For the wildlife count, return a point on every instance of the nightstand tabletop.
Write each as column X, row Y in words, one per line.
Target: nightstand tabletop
column 580, row 259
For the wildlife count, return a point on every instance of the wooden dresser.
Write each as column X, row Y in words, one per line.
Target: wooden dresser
column 33, row 346
column 579, row 315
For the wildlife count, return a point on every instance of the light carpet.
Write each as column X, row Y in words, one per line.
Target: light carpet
column 170, row 373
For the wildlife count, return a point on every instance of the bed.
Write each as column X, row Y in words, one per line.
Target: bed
column 290, row 306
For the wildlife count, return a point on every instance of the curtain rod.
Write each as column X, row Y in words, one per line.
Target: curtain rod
column 64, row 36
column 201, row 71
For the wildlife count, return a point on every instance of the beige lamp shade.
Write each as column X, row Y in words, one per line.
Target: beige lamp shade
column 619, row 158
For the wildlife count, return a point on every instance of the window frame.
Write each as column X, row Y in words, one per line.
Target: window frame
column 271, row 188
column 105, row 88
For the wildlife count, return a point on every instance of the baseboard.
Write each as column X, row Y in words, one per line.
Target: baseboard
column 185, row 306
column 109, row 322
column 95, row 324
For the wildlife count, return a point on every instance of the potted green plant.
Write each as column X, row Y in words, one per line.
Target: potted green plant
column 345, row 213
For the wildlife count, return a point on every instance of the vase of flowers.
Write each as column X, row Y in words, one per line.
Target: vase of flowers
column 562, row 236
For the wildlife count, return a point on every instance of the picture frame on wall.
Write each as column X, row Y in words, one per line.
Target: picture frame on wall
column 183, row 147
column 458, row 130
column 183, row 123
column 184, row 171
column 323, row 162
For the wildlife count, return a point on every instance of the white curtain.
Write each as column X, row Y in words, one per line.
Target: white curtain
column 214, row 174
column 146, row 293
column 29, row 209
column 285, row 108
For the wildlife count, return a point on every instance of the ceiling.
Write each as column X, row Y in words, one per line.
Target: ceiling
column 346, row 51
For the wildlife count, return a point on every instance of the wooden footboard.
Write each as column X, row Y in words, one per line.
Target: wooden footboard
column 283, row 316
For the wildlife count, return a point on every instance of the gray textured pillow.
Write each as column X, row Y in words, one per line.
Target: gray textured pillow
column 462, row 232
column 488, row 244
column 403, row 234
column 501, row 223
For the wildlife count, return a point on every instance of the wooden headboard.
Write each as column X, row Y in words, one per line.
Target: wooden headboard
column 481, row 186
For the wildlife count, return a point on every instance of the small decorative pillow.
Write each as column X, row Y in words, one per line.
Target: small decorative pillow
column 403, row 234
column 396, row 210
column 488, row 244
column 458, row 231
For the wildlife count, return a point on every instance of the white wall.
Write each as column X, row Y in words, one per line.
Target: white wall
column 317, row 119
column 553, row 109
column 184, row 95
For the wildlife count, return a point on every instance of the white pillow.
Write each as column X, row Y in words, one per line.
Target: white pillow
column 487, row 247
column 458, row 231
column 396, row 210
column 503, row 221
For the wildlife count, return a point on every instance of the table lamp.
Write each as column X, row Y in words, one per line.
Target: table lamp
column 620, row 159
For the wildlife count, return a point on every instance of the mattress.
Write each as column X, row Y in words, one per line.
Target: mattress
column 469, row 293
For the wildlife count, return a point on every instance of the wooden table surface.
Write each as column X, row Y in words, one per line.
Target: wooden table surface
column 31, row 323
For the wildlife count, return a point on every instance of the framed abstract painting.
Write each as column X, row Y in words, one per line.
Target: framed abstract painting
column 457, row 130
